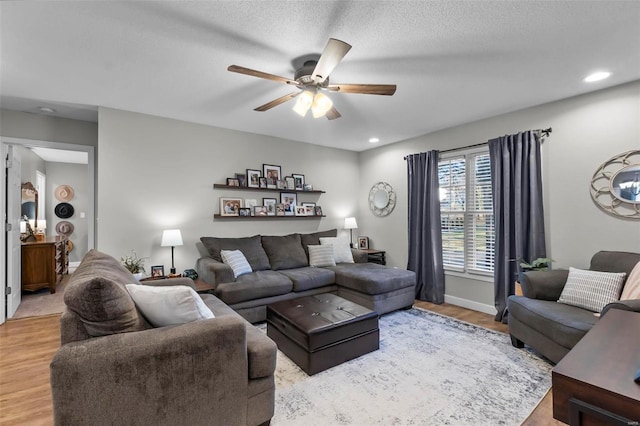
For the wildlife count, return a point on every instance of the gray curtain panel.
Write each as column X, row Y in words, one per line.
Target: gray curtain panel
column 516, row 180
column 425, row 239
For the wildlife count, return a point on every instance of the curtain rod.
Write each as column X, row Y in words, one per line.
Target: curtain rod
column 543, row 132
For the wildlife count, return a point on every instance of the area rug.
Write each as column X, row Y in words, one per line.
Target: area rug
column 42, row 302
column 429, row 370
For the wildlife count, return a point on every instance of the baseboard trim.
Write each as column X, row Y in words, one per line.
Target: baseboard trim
column 470, row 304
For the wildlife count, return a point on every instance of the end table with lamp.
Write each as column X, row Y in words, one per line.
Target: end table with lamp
column 350, row 224
column 171, row 238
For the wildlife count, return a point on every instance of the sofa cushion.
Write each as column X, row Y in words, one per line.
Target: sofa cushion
column 236, row 261
column 341, row 248
column 631, row 288
column 321, row 256
column 256, row 285
column 284, row 252
column 313, row 239
column 251, row 247
column 371, row 278
column 169, row 305
column 308, row 277
column 96, row 293
column 591, row 290
column 564, row 324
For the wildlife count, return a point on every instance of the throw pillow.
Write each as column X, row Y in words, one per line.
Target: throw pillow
column 313, row 239
column 321, row 255
column 341, row 248
column 236, row 260
column 169, row 305
column 631, row 288
column 591, row 290
column 284, row 252
column 251, row 247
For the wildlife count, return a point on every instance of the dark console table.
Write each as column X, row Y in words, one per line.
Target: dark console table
column 376, row 256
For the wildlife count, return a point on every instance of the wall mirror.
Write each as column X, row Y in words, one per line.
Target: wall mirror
column 615, row 186
column 382, row 199
column 30, row 202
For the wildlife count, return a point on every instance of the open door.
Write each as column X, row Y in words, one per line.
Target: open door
column 13, row 193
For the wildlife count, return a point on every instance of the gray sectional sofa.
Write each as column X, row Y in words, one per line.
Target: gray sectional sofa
column 281, row 271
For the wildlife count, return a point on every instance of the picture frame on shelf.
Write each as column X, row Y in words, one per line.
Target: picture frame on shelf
column 281, row 184
column 318, row 211
column 298, row 181
column 253, row 178
column 273, row 174
column 250, row 203
column 301, row 211
column 310, row 208
column 260, row 211
column 290, row 182
column 233, row 182
column 363, row 243
column 157, row 271
column 244, row 212
column 270, row 204
column 242, row 179
column 263, row 183
column 279, row 209
column 230, row 206
column 308, row 187
column 289, row 199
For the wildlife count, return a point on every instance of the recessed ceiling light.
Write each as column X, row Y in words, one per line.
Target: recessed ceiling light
column 374, row 140
column 46, row 110
column 597, row 76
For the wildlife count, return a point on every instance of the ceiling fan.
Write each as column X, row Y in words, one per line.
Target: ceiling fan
column 313, row 78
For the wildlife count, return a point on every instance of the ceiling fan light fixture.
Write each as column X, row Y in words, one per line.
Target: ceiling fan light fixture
column 321, row 105
column 303, row 103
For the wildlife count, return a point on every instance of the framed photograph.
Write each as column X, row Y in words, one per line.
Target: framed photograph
column 244, row 211
column 289, row 199
column 272, row 174
column 230, row 206
column 301, row 211
column 260, row 211
column 233, row 182
column 250, row 203
column 270, row 204
column 308, row 187
column 310, row 208
column 253, row 178
column 242, row 179
column 263, row 182
column 299, row 181
column 318, row 211
column 279, row 209
column 290, row 183
column 363, row 243
column 281, row 184
column 157, row 271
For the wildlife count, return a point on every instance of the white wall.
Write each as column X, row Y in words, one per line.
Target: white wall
column 156, row 173
column 587, row 130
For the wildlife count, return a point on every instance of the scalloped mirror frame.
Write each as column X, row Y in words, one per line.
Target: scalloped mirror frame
column 382, row 199
column 606, row 189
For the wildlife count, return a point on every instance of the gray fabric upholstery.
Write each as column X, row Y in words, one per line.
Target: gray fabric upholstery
column 213, row 271
column 381, row 303
column 251, row 247
column 308, row 277
column 256, row 285
column 544, row 285
column 371, row 278
column 285, row 252
column 614, row 261
column 359, row 256
column 313, row 239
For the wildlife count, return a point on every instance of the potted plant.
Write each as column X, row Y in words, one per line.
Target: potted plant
column 134, row 264
column 539, row 264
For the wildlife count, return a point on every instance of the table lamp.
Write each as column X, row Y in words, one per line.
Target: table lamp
column 171, row 238
column 350, row 224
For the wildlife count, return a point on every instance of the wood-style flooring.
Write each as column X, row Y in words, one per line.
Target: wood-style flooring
column 28, row 345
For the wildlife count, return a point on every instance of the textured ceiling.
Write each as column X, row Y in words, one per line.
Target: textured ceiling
column 453, row 62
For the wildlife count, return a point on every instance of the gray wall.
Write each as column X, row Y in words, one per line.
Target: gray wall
column 587, row 130
column 30, row 163
column 156, row 173
column 43, row 128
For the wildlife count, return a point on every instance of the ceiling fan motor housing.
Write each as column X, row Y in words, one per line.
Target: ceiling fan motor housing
column 304, row 75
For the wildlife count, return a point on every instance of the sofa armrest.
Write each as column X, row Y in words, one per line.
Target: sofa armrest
column 626, row 305
column 544, row 285
column 213, row 272
column 359, row 256
column 170, row 282
column 186, row 374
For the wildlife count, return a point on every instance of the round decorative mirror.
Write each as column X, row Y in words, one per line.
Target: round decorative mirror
column 382, row 199
column 615, row 186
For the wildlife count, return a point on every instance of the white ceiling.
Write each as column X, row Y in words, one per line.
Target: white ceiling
column 61, row 155
column 453, row 61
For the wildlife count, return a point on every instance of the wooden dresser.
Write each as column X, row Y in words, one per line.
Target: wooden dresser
column 44, row 262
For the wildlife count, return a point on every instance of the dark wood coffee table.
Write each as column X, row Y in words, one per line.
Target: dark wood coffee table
column 593, row 384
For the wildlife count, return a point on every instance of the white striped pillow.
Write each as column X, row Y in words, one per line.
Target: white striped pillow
column 321, row 256
column 591, row 290
column 236, row 260
column 341, row 249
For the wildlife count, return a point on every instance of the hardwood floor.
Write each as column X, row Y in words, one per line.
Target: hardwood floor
column 27, row 346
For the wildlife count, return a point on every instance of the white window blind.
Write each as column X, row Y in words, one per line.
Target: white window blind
column 466, row 209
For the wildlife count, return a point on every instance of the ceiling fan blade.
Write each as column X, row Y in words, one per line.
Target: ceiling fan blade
column 333, row 113
column 330, row 58
column 277, row 102
column 367, row 89
column 260, row 74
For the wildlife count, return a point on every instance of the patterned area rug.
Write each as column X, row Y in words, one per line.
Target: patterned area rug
column 429, row 370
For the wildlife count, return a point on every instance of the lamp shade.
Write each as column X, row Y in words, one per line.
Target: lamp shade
column 303, row 103
column 350, row 223
column 171, row 237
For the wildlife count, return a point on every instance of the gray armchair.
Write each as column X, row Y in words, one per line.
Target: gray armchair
column 552, row 328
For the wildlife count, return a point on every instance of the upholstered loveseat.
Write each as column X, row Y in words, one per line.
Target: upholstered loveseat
column 282, row 268
column 552, row 328
column 115, row 368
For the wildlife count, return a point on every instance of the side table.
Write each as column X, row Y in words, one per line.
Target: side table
column 376, row 256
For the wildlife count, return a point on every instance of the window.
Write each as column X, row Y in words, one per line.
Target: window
column 466, row 209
